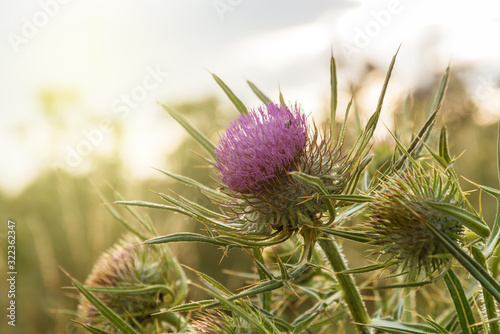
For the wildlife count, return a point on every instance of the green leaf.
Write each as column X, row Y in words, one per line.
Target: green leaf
column 472, row 266
column 318, row 185
column 186, row 237
column 333, row 96
column 193, row 212
column 472, row 222
column 437, row 326
column 213, row 282
column 259, row 94
column 94, row 330
column 234, row 99
column 192, row 306
column 402, row 149
column 197, row 135
column 366, row 135
column 443, row 146
column 494, row 239
column 119, row 217
column 259, row 323
column 423, row 135
column 138, row 289
column 282, row 99
column 464, row 312
column 398, row 327
column 365, row 269
column 350, row 235
column 208, row 191
column 106, row 312
column 350, row 198
column 152, row 206
column 417, row 143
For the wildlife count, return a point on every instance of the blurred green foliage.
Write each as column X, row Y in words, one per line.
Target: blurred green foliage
column 61, row 221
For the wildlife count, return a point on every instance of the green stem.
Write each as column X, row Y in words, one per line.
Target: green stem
column 349, row 289
column 266, row 296
column 489, row 301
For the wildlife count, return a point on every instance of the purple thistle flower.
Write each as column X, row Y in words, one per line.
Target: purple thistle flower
column 254, row 158
column 259, row 146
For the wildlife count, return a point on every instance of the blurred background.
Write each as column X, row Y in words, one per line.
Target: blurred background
column 81, row 83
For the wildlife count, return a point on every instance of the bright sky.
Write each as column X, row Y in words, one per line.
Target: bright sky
column 122, row 56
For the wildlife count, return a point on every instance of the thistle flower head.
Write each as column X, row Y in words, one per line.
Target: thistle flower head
column 126, row 265
column 260, row 145
column 254, row 159
column 398, row 220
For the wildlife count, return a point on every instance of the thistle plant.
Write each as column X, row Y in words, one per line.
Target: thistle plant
column 255, row 160
column 400, row 214
column 288, row 192
column 134, row 281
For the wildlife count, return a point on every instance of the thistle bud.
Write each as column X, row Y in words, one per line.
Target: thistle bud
column 129, row 264
column 254, row 159
column 398, row 221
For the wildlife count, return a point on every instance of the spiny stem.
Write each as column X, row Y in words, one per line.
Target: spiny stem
column 349, row 289
column 266, row 296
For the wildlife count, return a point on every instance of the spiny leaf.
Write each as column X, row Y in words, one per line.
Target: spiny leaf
column 138, row 289
column 398, row 327
column 208, row 191
column 258, row 324
column 186, row 237
column 152, row 206
column 464, row 312
column 350, row 198
column 438, row 103
column 234, row 99
column 197, row 135
column 472, row 222
column 350, row 235
column 438, row 327
column 333, row 98
column 259, row 93
column 443, row 146
column 213, row 282
column 494, row 239
column 282, row 99
column 416, row 145
column 472, row 266
column 94, row 330
column 106, row 312
column 316, row 184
